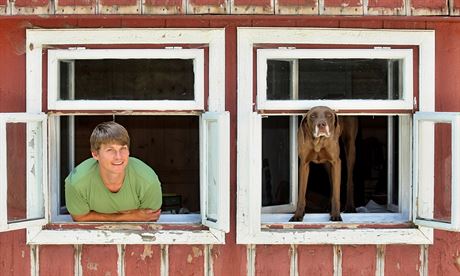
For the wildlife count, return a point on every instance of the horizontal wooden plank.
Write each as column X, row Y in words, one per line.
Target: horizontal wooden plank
column 14, row 253
column 340, row 7
column 429, row 7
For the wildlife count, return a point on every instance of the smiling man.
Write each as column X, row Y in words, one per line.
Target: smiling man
column 112, row 186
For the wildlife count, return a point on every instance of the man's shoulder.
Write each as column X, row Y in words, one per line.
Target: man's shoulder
column 82, row 172
column 141, row 169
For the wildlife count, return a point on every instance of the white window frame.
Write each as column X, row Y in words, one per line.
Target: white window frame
column 406, row 101
column 36, row 174
column 41, row 39
column 55, row 56
column 423, row 178
column 250, row 230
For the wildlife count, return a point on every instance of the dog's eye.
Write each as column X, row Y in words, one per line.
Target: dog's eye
column 313, row 115
column 329, row 115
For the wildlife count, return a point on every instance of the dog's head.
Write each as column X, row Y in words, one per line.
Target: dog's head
column 321, row 121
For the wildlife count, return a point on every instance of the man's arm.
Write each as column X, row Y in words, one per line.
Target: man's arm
column 140, row 215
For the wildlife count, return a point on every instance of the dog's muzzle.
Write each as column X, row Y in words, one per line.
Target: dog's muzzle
column 321, row 130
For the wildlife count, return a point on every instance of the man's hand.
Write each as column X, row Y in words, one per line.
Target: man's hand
column 136, row 215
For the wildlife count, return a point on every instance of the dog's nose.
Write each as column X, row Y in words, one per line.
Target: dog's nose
column 322, row 124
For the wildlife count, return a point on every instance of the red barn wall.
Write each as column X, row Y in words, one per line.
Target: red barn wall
column 442, row 258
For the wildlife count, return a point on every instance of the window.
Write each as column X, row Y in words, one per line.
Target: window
column 386, row 79
column 154, row 82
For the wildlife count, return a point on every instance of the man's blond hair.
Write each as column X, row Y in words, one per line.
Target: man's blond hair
column 108, row 133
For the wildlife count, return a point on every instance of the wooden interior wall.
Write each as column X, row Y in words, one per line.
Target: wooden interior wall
column 17, row 258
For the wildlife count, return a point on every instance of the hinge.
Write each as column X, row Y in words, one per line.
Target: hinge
column 286, row 48
column 173, row 48
column 382, row 48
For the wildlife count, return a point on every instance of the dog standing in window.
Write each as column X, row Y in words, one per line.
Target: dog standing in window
column 318, row 142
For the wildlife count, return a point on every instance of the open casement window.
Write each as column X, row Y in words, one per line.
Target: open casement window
column 23, row 178
column 157, row 84
column 215, row 161
column 437, row 170
column 380, row 76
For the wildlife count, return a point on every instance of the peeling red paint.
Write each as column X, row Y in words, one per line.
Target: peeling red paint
column 99, row 260
column 359, row 260
column 402, row 260
column 387, row 4
column 444, row 254
column 273, row 260
column 429, row 7
column 315, row 260
column 31, row 3
column 187, row 260
column 49, row 254
column 14, row 253
column 142, row 260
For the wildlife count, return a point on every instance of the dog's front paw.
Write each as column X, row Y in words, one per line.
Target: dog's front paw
column 296, row 218
column 336, row 217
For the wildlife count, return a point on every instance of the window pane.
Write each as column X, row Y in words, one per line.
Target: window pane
column 443, row 172
column 276, row 167
column 127, row 79
column 334, row 79
column 18, row 193
column 168, row 144
column 213, row 172
column 375, row 175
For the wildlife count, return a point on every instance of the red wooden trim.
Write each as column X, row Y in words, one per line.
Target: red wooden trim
column 296, row 226
column 429, row 7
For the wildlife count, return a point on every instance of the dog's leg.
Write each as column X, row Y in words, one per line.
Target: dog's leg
column 349, row 139
column 304, row 170
column 335, row 202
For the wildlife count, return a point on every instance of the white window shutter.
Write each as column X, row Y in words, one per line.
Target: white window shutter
column 426, row 125
column 33, row 131
column 215, row 169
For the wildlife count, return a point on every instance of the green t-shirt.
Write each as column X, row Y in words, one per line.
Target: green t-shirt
column 85, row 191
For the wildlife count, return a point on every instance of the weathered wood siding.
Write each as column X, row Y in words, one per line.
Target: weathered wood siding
column 440, row 259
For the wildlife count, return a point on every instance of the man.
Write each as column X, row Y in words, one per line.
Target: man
column 111, row 186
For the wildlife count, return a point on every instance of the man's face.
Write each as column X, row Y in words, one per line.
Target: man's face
column 113, row 158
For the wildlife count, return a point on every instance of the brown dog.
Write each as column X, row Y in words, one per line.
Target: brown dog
column 318, row 142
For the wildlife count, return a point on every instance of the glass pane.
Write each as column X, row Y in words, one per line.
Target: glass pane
column 18, row 194
column 16, row 167
column 127, row 79
column 334, row 79
column 212, row 171
column 168, row 144
column 276, row 168
column 443, row 172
